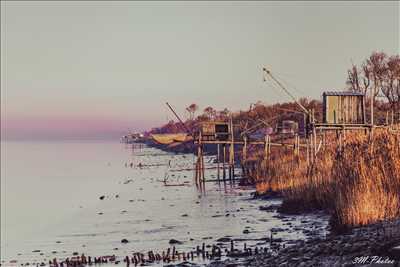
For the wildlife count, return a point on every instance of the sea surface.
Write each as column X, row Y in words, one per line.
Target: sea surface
column 51, row 206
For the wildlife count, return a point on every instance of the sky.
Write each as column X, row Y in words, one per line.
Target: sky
column 94, row 70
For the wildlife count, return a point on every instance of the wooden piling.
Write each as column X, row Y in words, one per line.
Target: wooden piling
column 267, row 147
column 223, row 162
column 218, row 159
column 232, row 152
column 202, row 165
column 244, row 156
column 307, row 152
column 314, row 137
column 231, row 161
column 198, row 162
column 298, row 145
column 244, row 153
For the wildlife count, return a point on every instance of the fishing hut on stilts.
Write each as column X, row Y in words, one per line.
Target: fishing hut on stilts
column 220, row 134
column 342, row 112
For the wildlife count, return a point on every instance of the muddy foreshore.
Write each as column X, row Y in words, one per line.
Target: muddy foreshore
column 377, row 244
column 374, row 245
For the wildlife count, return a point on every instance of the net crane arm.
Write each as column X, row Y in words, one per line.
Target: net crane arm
column 176, row 115
column 266, row 71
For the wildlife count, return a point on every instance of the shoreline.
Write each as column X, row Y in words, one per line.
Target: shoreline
column 316, row 249
column 378, row 243
column 363, row 246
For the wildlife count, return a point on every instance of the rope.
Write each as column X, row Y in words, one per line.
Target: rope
column 290, row 85
column 276, row 90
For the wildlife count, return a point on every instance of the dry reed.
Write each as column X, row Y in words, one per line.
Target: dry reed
column 367, row 180
column 359, row 183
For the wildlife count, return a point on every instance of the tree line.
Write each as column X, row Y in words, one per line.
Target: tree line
column 379, row 74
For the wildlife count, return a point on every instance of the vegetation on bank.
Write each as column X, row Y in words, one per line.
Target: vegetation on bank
column 379, row 74
column 366, row 180
column 358, row 182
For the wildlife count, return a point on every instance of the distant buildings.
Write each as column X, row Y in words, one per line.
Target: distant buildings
column 131, row 138
column 288, row 127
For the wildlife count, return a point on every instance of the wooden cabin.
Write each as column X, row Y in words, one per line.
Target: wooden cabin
column 261, row 133
column 343, row 107
column 288, row 127
column 215, row 131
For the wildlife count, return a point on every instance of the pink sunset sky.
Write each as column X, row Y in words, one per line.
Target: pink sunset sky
column 69, row 127
column 94, row 70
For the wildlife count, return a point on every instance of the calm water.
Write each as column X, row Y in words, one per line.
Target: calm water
column 50, row 202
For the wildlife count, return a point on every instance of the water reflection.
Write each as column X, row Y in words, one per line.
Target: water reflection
column 149, row 198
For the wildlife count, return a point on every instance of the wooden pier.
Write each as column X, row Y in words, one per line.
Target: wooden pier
column 311, row 143
column 343, row 111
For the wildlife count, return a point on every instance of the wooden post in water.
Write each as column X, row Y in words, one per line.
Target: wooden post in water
column 197, row 167
column 200, row 162
column 245, row 149
column 232, row 153
column 218, row 159
column 229, row 163
column 202, row 165
column 196, row 175
column 244, row 155
column 223, row 161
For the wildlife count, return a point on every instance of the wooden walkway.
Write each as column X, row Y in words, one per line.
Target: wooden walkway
column 311, row 144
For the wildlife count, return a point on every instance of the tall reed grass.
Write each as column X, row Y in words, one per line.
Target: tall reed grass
column 358, row 184
column 367, row 180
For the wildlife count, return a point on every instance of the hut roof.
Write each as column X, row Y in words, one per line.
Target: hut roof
column 342, row 93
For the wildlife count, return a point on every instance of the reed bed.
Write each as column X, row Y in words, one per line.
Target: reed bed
column 367, row 180
column 358, row 183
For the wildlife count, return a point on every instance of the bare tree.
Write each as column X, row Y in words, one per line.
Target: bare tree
column 352, row 79
column 370, row 77
column 224, row 114
column 210, row 112
column 391, row 83
column 192, row 110
column 371, row 74
column 366, row 77
column 377, row 65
